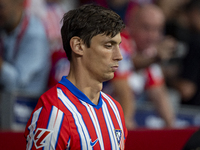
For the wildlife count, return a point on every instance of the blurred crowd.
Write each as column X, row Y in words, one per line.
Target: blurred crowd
column 160, row 48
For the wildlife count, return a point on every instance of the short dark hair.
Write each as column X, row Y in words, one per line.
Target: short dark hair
column 88, row 21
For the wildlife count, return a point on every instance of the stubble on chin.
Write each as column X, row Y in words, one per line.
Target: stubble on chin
column 108, row 77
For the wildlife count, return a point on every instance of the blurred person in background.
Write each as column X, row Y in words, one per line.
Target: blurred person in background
column 188, row 80
column 51, row 13
column 176, row 25
column 24, row 51
column 144, row 47
column 182, row 72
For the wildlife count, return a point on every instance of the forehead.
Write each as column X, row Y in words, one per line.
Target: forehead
column 102, row 38
column 151, row 16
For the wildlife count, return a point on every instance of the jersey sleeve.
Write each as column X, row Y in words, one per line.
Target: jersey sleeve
column 43, row 130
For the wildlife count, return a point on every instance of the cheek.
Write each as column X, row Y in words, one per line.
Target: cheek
column 101, row 64
column 94, row 61
column 100, row 61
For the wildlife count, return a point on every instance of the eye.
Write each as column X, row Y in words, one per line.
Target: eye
column 108, row 46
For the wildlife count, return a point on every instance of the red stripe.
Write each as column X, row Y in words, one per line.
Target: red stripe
column 104, row 130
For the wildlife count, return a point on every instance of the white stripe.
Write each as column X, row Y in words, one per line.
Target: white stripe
column 116, row 112
column 110, row 127
column 32, row 127
column 95, row 121
column 57, row 127
column 68, row 144
column 54, row 124
column 81, row 127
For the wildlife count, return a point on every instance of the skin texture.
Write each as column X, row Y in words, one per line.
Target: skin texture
column 94, row 65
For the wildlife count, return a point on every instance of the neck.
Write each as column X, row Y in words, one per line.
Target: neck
column 90, row 87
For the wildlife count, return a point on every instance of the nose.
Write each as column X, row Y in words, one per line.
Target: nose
column 117, row 54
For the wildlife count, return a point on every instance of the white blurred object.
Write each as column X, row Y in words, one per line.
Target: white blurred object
column 158, row 123
column 154, row 122
column 197, row 120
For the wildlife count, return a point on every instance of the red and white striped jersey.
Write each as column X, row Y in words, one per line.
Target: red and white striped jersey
column 65, row 118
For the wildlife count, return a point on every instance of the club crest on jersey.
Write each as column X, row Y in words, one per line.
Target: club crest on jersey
column 41, row 135
column 118, row 135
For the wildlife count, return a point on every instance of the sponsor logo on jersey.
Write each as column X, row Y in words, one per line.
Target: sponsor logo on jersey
column 118, row 135
column 41, row 135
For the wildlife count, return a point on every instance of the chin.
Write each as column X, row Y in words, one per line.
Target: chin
column 108, row 77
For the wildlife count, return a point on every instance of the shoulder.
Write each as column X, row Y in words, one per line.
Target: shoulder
column 49, row 97
column 48, row 106
column 47, row 119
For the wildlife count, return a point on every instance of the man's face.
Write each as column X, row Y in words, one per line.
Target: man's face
column 147, row 29
column 7, row 13
column 101, row 59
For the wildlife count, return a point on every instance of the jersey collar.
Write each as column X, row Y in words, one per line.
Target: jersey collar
column 80, row 95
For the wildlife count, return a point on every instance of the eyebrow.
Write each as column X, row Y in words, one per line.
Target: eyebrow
column 112, row 41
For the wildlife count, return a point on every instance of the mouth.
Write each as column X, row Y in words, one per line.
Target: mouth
column 114, row 68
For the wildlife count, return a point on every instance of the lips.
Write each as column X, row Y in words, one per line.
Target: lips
column 114, row 68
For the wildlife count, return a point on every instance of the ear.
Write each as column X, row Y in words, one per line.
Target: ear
column 76, row 45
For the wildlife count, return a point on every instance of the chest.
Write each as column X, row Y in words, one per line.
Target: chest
column 92, row 128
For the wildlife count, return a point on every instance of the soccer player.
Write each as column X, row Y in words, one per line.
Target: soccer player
column 76, row 114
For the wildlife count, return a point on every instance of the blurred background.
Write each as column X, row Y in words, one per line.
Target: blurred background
column 158, row 80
